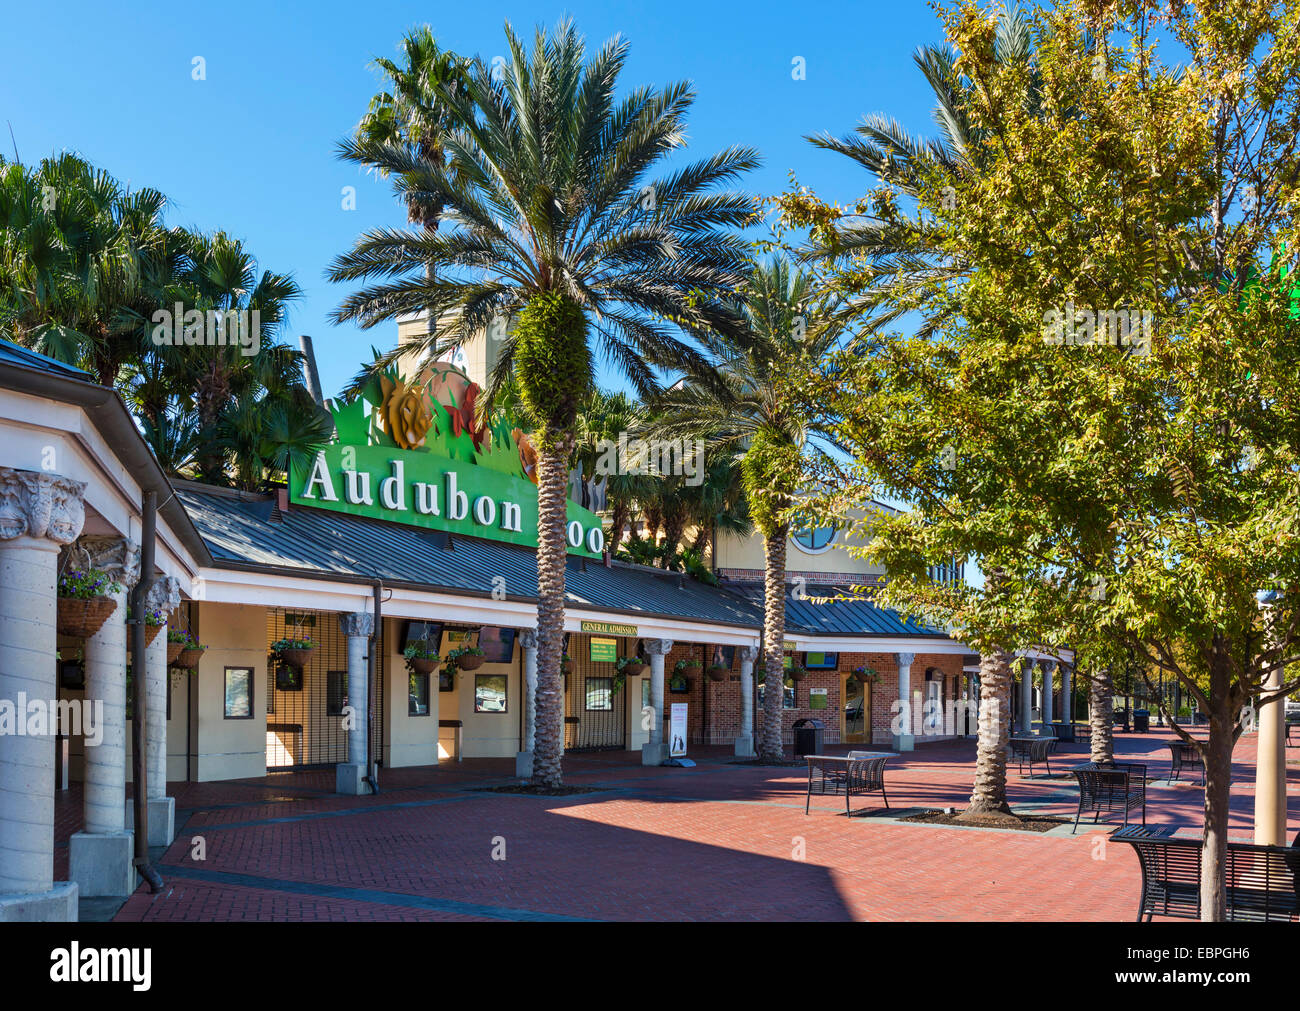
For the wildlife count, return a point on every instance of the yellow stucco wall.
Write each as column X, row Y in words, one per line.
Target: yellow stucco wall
column 235, row 635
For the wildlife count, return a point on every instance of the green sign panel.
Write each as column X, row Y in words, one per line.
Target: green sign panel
column 426, row 490
column 817, row 698
column 416, row 450
column 604, row 650
column 608, row 628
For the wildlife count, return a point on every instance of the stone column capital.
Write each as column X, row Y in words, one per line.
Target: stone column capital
column 41, row 505
column 904, row 659
column 119, row 557
column 357, row 623
column 528, row 638
column 658, row 647
column 164, row 595
column 748, row 654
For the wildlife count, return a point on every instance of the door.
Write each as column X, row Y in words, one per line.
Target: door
column 857, row 712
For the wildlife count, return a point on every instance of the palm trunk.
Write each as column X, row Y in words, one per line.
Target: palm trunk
column 771, row 747
column 618, row 514
column 989, row 793
column 1101, row 717
column 552, row 553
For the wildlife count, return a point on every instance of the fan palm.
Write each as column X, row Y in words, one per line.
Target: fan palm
column 789, row 331
column 557, row 224
column 73, row 247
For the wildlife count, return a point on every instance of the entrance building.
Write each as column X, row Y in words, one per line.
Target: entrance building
column 240, row 571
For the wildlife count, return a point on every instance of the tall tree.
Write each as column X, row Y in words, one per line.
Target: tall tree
column 556, row 222
column 1107, row 411
column 789, row 330
column 406, row 125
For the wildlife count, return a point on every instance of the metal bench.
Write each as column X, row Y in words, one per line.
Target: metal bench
column 1183, row 755
column 849, row 775
column 1263, row 882
column 1109, row 788
column 1031, row 750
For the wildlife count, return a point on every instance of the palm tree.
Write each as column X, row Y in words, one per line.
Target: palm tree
column 224, row 276
column 73, row 247
column 892, row 253
column 788, row 332
column 718, row 501
column 557, row 224
column 989, row 792
column 408, row 123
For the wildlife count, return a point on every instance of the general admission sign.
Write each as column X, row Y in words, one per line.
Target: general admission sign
column 419, row 456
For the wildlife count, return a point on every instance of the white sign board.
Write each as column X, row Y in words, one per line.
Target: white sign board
column 677, row 731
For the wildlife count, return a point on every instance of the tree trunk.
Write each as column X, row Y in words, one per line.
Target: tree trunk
column 989, row 794
column 1217, row 754
column 552, row 553
column 1101, row 717
column 618, row 519
column 771, row 748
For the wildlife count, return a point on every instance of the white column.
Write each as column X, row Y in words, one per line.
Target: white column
column 1049, row 672
column 164, row 597
column 745, row 740
column 1027, row 695
column 903, row 739
column 100, row 857
column 357, row 626
column 1067, row 693
column 524, row 759
column 653, row 752
column 1270, row 768
column 38, row 512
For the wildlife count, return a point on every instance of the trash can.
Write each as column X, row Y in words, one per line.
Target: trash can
column 809, row 736
column 1141, row 721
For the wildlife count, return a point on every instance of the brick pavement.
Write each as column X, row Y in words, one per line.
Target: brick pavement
column 721, row 841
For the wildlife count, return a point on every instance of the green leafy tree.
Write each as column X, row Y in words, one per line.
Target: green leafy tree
column 1131, row 479
column 554, row 221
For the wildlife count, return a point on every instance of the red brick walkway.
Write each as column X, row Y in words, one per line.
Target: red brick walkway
column 720, row 841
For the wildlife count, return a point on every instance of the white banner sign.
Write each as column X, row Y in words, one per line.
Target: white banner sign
column 677, row 731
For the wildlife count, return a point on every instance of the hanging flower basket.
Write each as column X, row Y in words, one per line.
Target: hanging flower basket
column 865, row 675
column 691, row 666
column 150, row 634
column 294, row 652
column 796, row 673
column 420, row 659
column 631, row 666
column 567, row 664
column 183, row 650
column 82, row 617
column 189, row 659
column 717, row 672
column 466, row 657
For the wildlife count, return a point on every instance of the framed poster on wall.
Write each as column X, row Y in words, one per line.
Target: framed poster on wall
column 238, row 703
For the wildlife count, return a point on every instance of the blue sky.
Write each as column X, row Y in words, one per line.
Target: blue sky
column 250, row 149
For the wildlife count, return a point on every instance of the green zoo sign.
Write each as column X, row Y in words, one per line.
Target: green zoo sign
column 427, row 490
